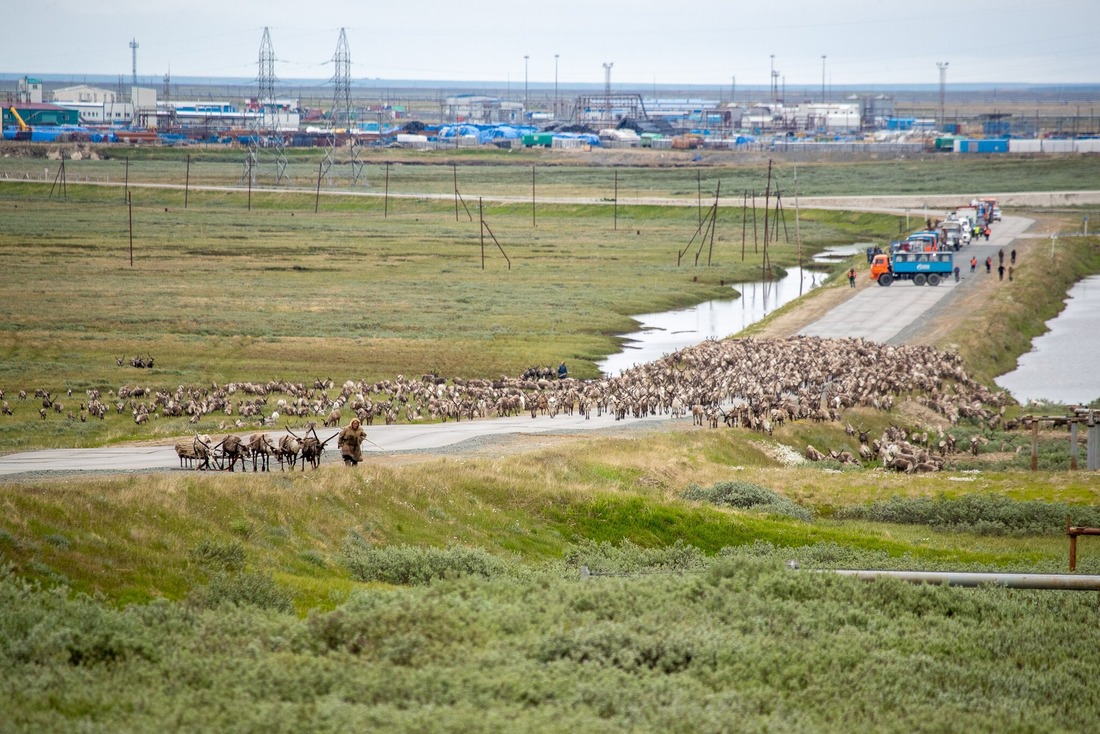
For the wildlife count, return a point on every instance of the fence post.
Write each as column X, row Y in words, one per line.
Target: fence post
column 1093, row 446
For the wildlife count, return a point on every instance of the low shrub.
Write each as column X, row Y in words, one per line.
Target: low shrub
column 628, row 557
column 415, row 565
column 243, row 589
column 215, row 555
column 748, row 496
column 976, row 513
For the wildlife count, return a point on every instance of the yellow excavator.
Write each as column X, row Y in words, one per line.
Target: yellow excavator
column 23, row 131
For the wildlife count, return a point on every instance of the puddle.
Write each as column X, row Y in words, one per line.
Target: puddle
column 666, row 332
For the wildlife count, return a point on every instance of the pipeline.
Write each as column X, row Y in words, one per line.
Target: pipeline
column 1046, row 581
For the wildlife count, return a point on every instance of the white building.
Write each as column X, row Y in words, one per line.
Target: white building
column 104, row 107
column 829, row 117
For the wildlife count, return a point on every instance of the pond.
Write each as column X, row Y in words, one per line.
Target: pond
column 1061, row 366
column 669, row 331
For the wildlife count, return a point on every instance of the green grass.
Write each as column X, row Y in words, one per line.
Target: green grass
column 217, row 293
column 446, row 595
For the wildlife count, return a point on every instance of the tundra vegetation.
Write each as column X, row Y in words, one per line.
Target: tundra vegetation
column 630, row 580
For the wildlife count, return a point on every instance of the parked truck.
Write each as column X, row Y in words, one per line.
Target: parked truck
column 922, row 268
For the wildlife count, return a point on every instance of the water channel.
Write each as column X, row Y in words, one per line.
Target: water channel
column 1062, row 364
column 666, row 332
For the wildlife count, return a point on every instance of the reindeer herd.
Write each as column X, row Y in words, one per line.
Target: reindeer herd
column 740, row 383
column 200, row 452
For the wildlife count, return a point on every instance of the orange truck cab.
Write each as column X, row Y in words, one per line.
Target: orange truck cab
column 879, row 265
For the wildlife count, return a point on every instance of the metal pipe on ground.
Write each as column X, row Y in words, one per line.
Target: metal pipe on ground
column 1046, row 581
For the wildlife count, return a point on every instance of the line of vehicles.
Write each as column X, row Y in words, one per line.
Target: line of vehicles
column 927, row 257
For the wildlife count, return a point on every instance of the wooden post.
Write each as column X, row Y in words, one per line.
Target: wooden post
column 755, row 232
column 130, row 209
column 744, row 220
column 454, row 167
column 317, row 196
column 714, row 222
column 386, row 198
column 699, row 194
column 1034, row 445
column 187, row 181
column 1073, row 446
column 481, row 219
column 765, row 269
column 533, row 225
column 1092, row 447
column 1073, row 531
column 615, row 201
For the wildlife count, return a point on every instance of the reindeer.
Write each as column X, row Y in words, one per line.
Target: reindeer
column 201, row 450
column 233, row 449
column 333, row 418
column 261, row 448
column 312, row 447
column 289, row 448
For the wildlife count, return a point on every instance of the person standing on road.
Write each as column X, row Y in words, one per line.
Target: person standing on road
column 989, row 265
column 1013, row 257
column 956, row 273
column 1001, row 257
column 851, row 277
column 1011, row 270
column 973, row 264
column 987, row 233
column 1001, row 271
column 351, row 443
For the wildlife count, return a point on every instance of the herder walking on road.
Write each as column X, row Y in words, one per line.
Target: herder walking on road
column 852, row 278
column 1001, row 271
column 989, row 265
column 351, row 443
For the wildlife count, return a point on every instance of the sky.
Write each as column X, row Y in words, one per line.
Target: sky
column 707, row 42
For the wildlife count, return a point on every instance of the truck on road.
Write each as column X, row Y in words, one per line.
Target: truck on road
column 923, row 268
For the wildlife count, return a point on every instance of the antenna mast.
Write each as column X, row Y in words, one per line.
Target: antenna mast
column 607, row 90
column 943, row 83
column 133, row 53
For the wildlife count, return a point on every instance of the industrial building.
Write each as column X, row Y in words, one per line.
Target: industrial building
column 40, row 114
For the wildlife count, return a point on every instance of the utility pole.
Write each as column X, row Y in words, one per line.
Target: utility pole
column 526, row 98
column 607, row 89
column 822, row 78
column 555, row 86
column 774, row 81
column 943, row 83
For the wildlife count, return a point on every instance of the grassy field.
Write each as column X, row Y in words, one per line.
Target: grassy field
column 685, row 175
column 218, row 293
column 447, row 594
